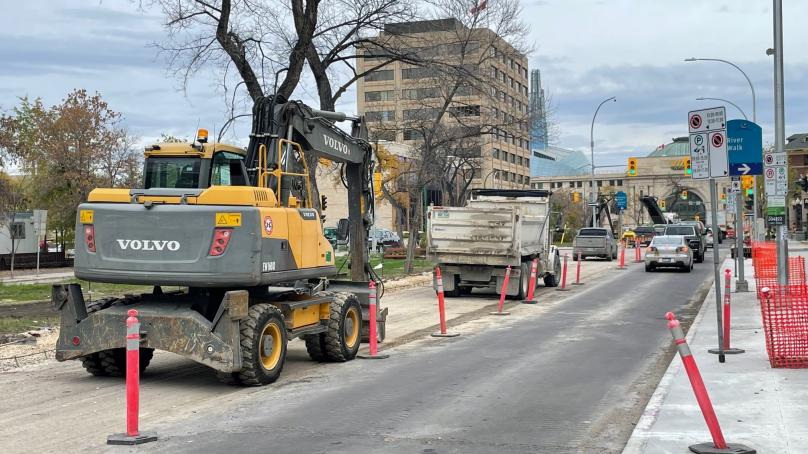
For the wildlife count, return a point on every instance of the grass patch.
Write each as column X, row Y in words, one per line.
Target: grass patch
column 12, row 294
column 391, row 268
column 13, row 325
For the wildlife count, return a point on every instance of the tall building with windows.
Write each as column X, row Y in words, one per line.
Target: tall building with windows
column 397, row 95
column 538, row 105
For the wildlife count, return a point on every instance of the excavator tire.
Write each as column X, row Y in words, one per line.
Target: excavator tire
column 112, row 362
column 315, row 346
column 263, row 345
column 344, row 332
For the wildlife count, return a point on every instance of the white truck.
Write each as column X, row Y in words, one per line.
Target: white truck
column 473, row 245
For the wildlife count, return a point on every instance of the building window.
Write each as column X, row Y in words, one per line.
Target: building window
column 495, row 153
column 420, row 93
column 539, row 185
column 415, row 73
column 381, row 115
column 18, row 231
column 611, row 182
column 513, row 159
column 420, row 114
column 465, row 111
column 383, row 134
column 376, row 76
column 413, row 134
column 580, row 184
column 619, row 182
column 385, row 95
column 600, row 183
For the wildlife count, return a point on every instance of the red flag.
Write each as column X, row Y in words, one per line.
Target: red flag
column 479, row 7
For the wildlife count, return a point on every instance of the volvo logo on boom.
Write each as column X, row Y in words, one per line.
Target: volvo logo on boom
column 149, row 245
column 333, row 143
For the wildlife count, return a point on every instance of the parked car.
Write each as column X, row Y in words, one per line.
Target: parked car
column 646, row 233
column 695, row 240
column 709, row 237
column 659, row 229
column 669, row 251
column 594, row 242
column 383, row 239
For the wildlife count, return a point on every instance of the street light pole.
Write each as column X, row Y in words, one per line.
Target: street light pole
column 726, row 101
column 780, row 134
column 754, row 120
column 593, row 190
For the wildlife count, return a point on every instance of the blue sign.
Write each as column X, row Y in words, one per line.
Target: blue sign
column 621, row 199
column 744, row 148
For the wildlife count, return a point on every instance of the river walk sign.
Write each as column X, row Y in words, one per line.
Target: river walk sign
column 744, row 148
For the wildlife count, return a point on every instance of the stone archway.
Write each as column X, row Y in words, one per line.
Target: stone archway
column 689, row 208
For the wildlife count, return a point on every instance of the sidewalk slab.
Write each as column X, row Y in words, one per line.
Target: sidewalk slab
column 760, row 407
column 43, row 278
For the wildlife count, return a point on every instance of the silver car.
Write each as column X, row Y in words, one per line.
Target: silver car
column 669, row 251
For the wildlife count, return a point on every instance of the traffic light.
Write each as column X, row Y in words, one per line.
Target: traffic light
column 747, row 181
column 802, row 183
column 662, row 205
column 632, row 167
column 723, row 196
column 749, row 202
column 686, row 165
column 323, row 202
column 377, row 185
column 576, row 197
column 683, row 195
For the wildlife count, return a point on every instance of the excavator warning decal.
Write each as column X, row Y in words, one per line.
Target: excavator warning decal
column 268, row 225
column 228, row 219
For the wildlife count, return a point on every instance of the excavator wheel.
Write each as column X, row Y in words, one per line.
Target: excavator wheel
column 315, row 346
column 263, row 345
column 344, row 333
column 112, row 362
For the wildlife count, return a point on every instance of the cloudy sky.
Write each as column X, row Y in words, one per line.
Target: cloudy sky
column 586, row 50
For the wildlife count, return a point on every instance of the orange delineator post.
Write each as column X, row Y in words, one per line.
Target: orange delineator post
column 531, row 288
column 563, row 287
column 441, row 307
column 503, row 292
column 372, row 334
column 622, row 264
column 578, row 271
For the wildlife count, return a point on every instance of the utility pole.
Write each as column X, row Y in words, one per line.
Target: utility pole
column 780, row 134
column 594, row 190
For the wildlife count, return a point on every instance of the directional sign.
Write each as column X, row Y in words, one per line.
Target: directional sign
column 707, row 119
column 744, row 147
column 621, row 199
column 699, row 158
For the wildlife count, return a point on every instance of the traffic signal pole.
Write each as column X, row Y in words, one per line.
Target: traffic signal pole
column 740, row 284
column 718, row 308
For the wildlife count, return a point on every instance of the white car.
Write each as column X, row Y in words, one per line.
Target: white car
column 669, row 251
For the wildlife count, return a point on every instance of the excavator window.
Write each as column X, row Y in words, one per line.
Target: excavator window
column 172, row 172
column 228, row 170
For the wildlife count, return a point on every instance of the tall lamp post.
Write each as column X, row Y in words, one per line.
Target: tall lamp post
column 754, row 120
column 593, row 190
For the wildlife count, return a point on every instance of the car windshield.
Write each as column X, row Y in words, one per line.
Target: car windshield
column 667, row 241
column 680, row 230
column 643, row 230
column 592, row 232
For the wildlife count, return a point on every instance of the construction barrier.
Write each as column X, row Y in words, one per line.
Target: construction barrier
column 372, row 334
column 441, row 307
column 132, row 436
column 719, row 445
column 503, row 292
column 785, row 325
column 578, row 271
column 531, row 288
column 563, row 287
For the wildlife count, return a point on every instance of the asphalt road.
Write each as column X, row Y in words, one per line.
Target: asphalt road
column 572, row 377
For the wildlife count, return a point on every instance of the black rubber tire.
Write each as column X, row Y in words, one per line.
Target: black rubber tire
column 649, row 268
column 315, row 346
column 253, row 372
column 336, row 347
column 112, row 362
column 574, row 257
column 551, row 280
column 699, row 258
column 614, row 255
column 524, row 280
column 464, row 291
column 228, row 378
column 609, row 257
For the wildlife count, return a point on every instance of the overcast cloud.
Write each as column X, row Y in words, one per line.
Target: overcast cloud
column 586, row 50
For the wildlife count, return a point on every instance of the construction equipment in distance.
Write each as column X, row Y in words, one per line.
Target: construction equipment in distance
column 238, row 232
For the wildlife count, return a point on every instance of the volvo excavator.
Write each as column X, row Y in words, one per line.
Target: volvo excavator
column 232, row 245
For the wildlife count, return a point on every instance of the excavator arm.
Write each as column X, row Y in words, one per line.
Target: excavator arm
column 654, row 211
column 274, row 160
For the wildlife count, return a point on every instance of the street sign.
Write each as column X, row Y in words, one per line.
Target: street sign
column 744, row 147
column 707, row 119
column 719, row 164
column 699, row 159
column 622, row 200
column 735, row 186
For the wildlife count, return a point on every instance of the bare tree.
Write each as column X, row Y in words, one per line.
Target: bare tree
column 12, row 202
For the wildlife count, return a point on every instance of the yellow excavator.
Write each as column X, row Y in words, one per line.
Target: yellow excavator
column 237, row 231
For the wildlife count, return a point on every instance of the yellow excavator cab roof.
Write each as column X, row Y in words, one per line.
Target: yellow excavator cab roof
column 179, row 149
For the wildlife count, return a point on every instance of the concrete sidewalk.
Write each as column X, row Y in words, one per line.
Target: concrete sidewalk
column 43, row 278
column 760, row 407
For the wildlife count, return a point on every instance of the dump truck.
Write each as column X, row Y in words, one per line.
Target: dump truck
column 232, row 244
column 497, row 229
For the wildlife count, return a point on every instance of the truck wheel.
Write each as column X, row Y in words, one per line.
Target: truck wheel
column 344, row 328
column 263, row 345
column 524, row 281
column 551, row 280
column 315, row 346
column 456, row 291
